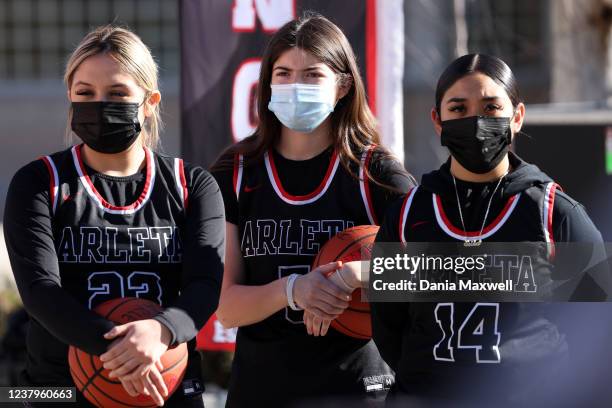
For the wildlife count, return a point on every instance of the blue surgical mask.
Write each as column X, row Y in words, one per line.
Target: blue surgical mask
column 302, row 107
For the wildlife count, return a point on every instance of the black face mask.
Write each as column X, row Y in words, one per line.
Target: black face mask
column 106, row 127
column 478, row 143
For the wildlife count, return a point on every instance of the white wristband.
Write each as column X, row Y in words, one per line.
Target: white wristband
column 289, row 290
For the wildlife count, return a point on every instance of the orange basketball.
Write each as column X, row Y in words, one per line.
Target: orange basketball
column 347, row 246
column 93, row 380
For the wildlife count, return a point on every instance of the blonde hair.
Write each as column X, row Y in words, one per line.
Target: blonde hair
column 134, row 58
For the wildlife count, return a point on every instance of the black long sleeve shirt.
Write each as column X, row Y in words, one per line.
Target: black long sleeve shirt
column 32, row 248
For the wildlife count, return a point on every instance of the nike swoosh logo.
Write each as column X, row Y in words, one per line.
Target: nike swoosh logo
column 248, row 189
column 416, row 224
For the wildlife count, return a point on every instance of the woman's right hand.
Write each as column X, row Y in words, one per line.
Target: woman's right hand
column 320, row 296
column 314, row 325
column 150, row 384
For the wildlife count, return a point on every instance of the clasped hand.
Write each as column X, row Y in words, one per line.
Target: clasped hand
column 134, row 358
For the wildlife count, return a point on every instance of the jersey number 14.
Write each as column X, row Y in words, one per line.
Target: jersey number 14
column 478, row 331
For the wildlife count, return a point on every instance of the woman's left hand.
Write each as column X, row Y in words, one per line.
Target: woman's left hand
column 142, row 344
column 315, row 326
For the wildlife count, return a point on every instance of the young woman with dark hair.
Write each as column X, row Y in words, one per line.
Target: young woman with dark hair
column 483, row 353
column 312, row 168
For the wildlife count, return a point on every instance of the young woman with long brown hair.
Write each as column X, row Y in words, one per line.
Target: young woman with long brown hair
column 312, row 168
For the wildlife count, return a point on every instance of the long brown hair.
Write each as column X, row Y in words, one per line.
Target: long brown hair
column 353, row 124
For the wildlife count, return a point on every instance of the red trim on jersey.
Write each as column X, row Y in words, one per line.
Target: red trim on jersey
column 488, row 228
column 105, row 203
column 183, row 182
column 51, row 181
column 371, row 57
column 549, row 218
column 235, row 176
column 366, row 183
column 238, row 173
column 402, row 238
column 308, row 196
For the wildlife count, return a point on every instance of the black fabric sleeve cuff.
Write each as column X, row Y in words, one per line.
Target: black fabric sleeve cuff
column 174, row 318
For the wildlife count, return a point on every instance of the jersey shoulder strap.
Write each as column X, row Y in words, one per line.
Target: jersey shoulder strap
column 237, row 174
column 547, row 209
column 364, row 183
column 53, row 181
column 403, row 216
column 177, row 167
column 55, row 163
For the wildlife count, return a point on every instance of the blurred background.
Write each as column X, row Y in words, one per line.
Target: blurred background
column 559, row 50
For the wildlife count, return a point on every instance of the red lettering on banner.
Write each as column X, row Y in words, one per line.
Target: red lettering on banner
column 214, row 337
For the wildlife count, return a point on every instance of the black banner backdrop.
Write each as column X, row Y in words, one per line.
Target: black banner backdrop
column 221, row 47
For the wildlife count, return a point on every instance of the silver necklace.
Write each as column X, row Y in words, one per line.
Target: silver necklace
column 474, row 242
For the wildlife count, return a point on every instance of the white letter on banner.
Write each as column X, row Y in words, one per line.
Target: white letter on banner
column 272, row 14
column 245, row 80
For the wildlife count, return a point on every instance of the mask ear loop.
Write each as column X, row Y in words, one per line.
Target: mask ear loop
column 144, row 124
column 344, row 79
column 510, row 125
column 146, row 98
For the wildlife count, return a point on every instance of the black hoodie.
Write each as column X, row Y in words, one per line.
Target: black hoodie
column 530, row 342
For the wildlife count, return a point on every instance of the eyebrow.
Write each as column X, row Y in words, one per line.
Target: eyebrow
column 486, row 98
column 283, row 68
column 117, row 85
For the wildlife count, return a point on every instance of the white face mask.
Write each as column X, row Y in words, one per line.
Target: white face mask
column 302, row 107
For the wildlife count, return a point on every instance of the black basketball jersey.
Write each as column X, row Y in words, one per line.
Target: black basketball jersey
column 280, row 233
column 107, row 251
column 501, row 351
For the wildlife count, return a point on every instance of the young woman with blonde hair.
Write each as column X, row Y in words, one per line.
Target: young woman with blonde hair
column 111, row 218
